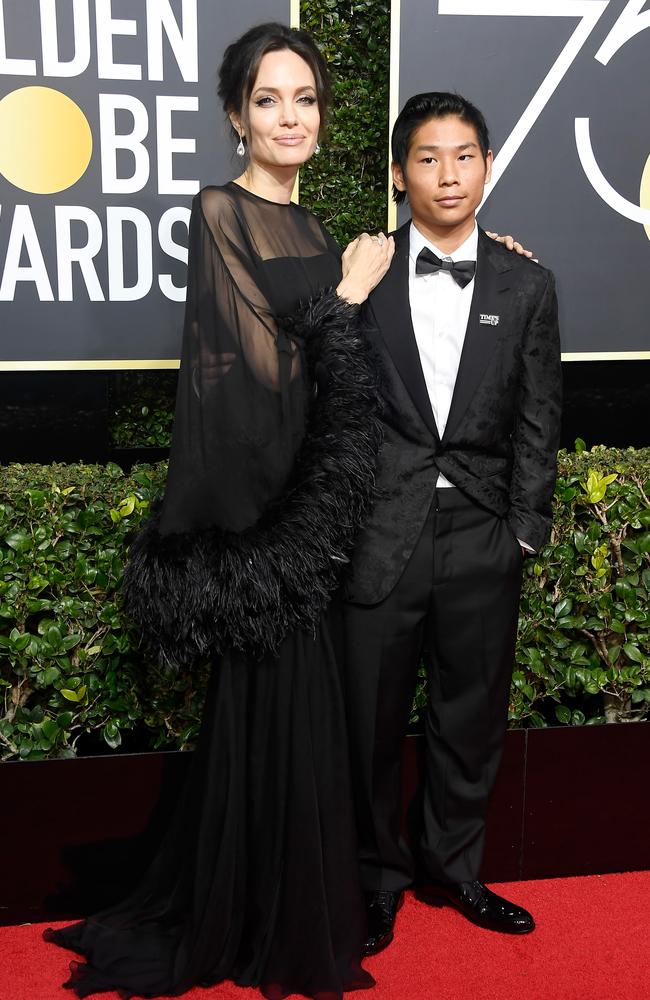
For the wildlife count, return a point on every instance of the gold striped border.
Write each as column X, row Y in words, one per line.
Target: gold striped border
column 607, row 356
column 393, row 102
column 131, row 364
column 88, row 365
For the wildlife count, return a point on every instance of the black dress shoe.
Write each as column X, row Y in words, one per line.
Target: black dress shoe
column 381, row 907
column 480, row 905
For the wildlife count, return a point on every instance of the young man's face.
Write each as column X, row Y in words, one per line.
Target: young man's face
column 445, row 174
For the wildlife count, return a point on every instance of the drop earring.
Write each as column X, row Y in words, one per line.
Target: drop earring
column 241, row 150
column 316, row 149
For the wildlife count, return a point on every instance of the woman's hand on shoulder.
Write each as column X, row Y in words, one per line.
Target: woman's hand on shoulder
column 510, row 243
column 365, row 262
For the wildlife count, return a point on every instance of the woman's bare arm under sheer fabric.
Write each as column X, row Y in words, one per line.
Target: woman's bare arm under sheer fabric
column 235, row 244
column 227, row 260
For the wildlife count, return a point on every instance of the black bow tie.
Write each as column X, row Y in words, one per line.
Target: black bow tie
column 462, row 271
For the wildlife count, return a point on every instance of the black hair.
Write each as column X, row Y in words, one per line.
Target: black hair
column 242, row 58
column 420, row 109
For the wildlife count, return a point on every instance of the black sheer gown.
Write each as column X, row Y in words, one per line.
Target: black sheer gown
column 271, row 471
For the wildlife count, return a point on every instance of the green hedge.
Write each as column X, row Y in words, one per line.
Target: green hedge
column 142, row 409
column 74, row 680
column 346, row 184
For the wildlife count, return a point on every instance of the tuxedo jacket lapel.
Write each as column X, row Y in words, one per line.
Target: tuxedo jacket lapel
column 392, row 309
column 492, row 279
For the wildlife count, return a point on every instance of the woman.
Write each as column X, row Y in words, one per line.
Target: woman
column 271, row 471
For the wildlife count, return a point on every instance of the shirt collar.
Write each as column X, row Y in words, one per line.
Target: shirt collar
column 466, row 251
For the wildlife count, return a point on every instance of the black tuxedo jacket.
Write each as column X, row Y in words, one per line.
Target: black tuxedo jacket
column 501, row 438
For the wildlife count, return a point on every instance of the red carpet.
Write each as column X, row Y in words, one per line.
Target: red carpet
column 591, row 943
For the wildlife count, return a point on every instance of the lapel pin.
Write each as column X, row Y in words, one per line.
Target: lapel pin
column 487, row 320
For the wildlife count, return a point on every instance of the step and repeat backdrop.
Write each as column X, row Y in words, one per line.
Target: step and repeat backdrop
column 109, row 123
column 565, row 89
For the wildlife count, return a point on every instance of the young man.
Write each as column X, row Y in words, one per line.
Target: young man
column 469, row 337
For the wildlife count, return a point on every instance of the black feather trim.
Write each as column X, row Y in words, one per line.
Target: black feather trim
column 196, row 593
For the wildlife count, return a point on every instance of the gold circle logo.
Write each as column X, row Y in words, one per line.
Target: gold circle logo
column 46, row 140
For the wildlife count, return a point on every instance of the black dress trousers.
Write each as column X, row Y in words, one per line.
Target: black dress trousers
column 455, row 607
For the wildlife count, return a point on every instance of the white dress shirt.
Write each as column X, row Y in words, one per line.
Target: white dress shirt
column 440, row 311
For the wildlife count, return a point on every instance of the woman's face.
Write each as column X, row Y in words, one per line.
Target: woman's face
column 283, row 115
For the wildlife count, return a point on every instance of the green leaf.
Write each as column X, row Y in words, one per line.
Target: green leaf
column 596, row 485
column 72, row 640
column 71, row 695
column 563, row 714
column 624, row 589
column 50, row 675
column 112, row 735
column 35, row 605
column 580, row 540
column 633, row 652
column 53, row 636
column 20, row 642
column 127, row 506
column 50, row 729
column 19, row 541
column 563, row 607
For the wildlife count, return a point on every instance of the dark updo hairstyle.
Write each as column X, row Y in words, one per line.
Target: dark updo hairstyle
column 241, row 62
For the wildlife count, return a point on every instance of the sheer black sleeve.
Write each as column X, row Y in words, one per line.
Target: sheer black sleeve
column 268, row 479
column 232, row 445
